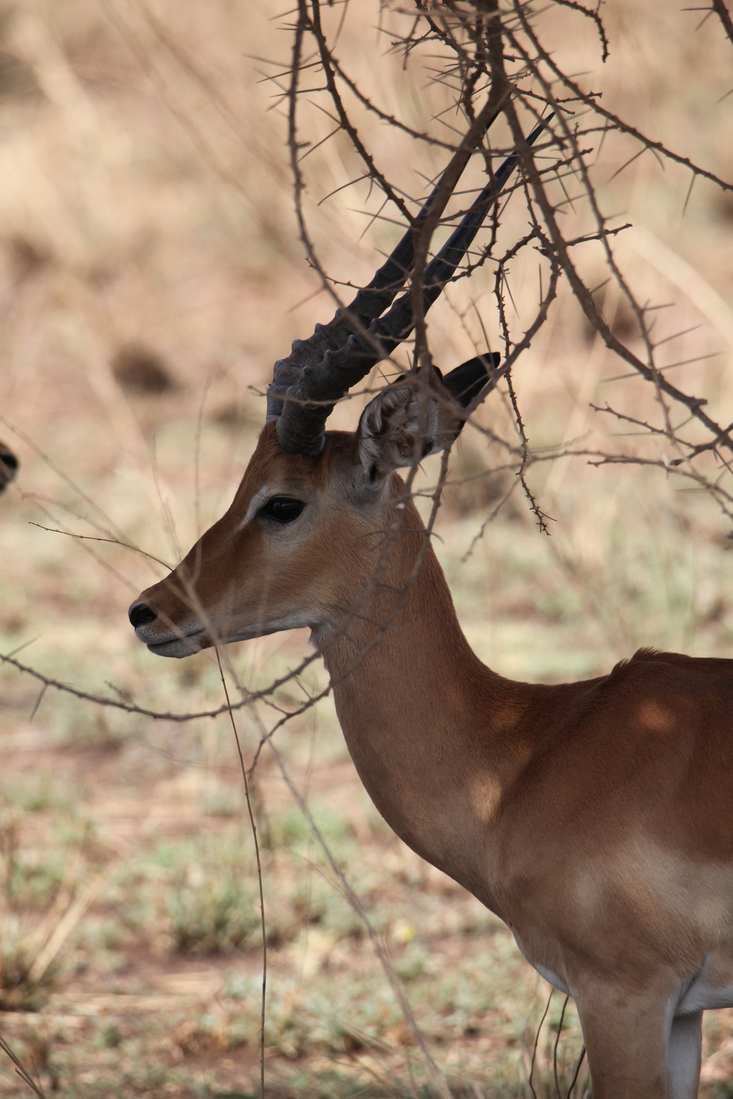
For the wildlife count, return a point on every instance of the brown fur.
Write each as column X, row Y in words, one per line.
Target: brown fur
column 595, row 818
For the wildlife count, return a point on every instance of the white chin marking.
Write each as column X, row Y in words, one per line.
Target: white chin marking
column 178, row 648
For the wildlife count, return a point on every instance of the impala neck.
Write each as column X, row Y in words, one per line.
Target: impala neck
column 431, row 730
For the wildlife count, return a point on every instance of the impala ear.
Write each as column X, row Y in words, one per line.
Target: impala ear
column 400, row 426
column 406, row 423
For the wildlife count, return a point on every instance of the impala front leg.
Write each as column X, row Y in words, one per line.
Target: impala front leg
column 685, row 1056
column 626, row 1035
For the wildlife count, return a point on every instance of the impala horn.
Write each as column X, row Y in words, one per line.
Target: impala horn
column 319, row 371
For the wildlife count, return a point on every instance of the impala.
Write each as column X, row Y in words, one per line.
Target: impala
column 595, row 818
column 8, row 466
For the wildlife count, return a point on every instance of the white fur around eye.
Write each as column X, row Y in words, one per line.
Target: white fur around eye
column 255, row 504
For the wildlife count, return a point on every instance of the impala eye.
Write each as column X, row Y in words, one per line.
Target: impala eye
column 283, row 509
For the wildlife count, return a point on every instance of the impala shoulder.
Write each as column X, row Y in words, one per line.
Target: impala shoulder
column 652, row 662
column 720, row 662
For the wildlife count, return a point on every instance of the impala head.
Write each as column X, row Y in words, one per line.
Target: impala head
column 302, row 536
column 299, row 541
column 8, row 466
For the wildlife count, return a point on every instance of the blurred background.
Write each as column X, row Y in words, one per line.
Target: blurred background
column 150, row 274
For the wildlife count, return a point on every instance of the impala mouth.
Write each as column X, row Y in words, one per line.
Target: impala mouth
column 186, row 641
column 174, row 643
column 179, row 647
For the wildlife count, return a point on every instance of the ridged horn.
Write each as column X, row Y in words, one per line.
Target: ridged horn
column 321, row 370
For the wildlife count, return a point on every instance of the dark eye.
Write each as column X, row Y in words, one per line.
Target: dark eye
column 283, row 509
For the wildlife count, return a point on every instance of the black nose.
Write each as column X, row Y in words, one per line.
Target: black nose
column 8, row 467
column 140, row 614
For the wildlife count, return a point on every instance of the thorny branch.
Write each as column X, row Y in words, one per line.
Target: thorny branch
column 720, row 9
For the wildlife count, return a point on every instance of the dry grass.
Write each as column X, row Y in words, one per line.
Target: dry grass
column 149, row 276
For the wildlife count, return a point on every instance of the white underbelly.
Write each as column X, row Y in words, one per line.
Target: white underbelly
column 552, row 978
column 543, row 971
column 700, row 995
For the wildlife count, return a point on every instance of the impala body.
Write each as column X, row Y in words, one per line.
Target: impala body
column 595, row 818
